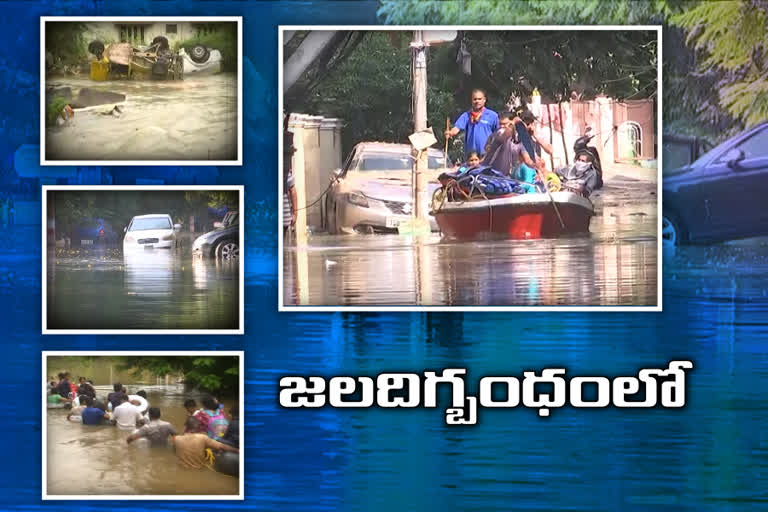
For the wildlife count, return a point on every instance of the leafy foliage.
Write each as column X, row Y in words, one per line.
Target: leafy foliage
column 371, row 88
column 731, row 37
column 65, row 41
column 216, row 374
column 119, row 207
column 715, row 78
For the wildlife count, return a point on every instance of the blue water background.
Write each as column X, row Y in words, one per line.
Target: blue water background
column 711, row 455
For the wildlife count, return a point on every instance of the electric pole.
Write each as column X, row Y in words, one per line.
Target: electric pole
column 419, row 81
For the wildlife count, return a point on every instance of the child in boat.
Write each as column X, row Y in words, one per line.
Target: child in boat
column 473, row 161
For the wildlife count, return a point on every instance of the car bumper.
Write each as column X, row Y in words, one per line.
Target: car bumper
column 351, row 217
column 161, row 244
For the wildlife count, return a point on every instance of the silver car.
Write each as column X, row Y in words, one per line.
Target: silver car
column 373, row 191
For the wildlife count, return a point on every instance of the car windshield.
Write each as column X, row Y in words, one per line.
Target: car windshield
column 146, row 223
column 394, row 162
column 230, row 219
column 717, row 148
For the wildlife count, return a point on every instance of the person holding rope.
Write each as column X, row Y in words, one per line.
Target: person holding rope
column 191, row 448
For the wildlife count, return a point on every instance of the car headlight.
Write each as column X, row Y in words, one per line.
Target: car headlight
column 357, row 199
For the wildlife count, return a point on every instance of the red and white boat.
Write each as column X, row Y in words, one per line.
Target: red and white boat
column 518, row 217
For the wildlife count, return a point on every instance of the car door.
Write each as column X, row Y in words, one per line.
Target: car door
column 735, row 192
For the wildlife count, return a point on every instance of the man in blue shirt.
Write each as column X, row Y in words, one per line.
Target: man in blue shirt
column 92, row 415
column 478, row 124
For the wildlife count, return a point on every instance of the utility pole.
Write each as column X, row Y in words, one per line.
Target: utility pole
column 419, row 81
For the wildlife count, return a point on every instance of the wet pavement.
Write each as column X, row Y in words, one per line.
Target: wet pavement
column 101, row 288
column 94, row 460
column 614, row 265
column 190, row 119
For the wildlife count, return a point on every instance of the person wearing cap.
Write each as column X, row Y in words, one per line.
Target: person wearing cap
column 478, row 124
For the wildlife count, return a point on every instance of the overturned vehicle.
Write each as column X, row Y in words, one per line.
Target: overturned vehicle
column 156, row 61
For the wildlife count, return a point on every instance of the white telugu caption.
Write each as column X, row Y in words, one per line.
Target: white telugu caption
column 650, row 388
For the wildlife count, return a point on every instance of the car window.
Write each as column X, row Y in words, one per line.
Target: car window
column 394, row 162
column 675, row 155
column 755, row 146
column 150, row 223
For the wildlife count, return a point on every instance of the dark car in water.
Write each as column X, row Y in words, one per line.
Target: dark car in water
column 223, row 242
column 720, row 196
column 89, row 232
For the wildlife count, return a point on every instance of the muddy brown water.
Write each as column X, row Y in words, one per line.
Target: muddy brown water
column 614, row 265
column 101, row 288
column 190, row 119
column 96, row 460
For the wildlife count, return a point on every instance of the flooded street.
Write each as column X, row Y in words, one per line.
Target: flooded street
column 190, row 119
column 616, row 264
column 94, row 460
column 102, row 288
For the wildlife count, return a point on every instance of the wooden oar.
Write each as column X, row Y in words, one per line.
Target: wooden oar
column 447, row 127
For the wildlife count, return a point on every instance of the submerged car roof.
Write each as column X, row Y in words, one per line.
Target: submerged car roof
column 151, row 215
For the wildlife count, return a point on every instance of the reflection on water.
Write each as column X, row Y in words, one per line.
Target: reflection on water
column 160, row 289
column 92, row 460
column 615, row 265
column 190, row 119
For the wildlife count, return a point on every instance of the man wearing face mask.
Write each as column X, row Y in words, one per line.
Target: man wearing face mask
column 581, row 177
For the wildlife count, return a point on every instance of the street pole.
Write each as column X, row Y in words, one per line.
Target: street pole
column 419, row 67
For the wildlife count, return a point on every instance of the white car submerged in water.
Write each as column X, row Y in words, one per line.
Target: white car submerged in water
column 155, row 231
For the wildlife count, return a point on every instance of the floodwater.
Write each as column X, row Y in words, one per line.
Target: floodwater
column 92, row 460
column 616, row 264
column 102, row 288
column 190, row 119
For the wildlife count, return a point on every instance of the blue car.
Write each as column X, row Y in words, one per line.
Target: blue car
column 720, row 196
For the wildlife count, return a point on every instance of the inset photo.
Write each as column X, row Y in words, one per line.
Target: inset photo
column 142, row 425
column 141, row 90
column 470, row 168
column 142, row 260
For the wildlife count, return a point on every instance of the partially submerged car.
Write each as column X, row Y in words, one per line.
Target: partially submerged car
column 721, row 195
column 154, row 231
column 373, row 191
column 223, row 242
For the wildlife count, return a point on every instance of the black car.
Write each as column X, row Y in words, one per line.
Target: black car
column 223, row 242
column 721, row 195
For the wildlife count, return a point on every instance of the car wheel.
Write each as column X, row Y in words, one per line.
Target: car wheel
column 227, row 250
column 199, row 54
column 671, row 231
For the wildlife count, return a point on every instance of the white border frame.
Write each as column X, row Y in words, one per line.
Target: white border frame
column 165, row 188
column 145, row 19
column 44, row 421
column 385, row 28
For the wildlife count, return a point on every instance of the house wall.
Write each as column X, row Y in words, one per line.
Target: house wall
column 110, row 32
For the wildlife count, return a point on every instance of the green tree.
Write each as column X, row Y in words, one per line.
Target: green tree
column 215, row 374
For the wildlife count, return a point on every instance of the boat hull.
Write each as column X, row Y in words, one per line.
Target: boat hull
column 519, row 217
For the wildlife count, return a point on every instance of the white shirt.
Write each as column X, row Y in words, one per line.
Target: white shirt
column 126, row 416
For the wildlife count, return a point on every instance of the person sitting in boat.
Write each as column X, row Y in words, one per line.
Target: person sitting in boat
column 506, row 154
column 473, row 161
column 581, row 177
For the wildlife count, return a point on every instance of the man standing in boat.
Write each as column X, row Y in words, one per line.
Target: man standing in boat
column 478, row 124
